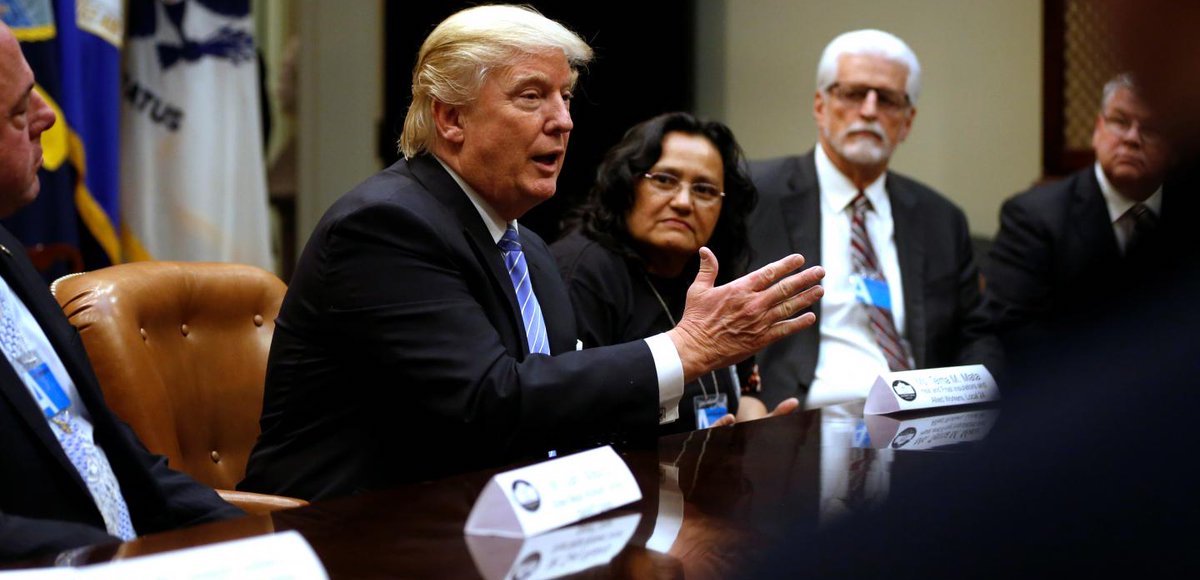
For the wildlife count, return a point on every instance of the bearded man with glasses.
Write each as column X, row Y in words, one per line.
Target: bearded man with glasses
column 901, row 285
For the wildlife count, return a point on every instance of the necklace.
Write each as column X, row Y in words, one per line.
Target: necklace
column 667, row 311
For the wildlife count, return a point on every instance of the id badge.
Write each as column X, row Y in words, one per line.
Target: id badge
column 871, row 292
column 862, row 436
column 710, row 409
column 49, row 394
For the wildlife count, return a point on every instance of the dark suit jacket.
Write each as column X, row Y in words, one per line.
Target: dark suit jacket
column 400, row 353
column 44, row 504
column 1056, row 259
column 944, row 322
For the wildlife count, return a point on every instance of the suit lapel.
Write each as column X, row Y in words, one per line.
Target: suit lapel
column 552, row 297
column 910, row 252
column 1092, row 226
column 13, row 388
column 439, row 183
column 12, row 385
column 487, row 253
column 801, row 209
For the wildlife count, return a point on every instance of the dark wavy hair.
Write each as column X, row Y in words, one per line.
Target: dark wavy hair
column 602, row 216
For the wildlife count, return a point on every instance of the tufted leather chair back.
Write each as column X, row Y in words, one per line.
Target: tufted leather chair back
column 180, row 349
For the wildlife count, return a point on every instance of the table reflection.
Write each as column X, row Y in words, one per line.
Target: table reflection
column 711, row 499
column 816, row 466
column 555, row 553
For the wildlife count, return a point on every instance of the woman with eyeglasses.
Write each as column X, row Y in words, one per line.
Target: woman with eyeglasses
column 673, row 184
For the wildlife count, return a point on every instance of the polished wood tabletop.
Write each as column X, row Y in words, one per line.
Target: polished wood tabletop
column 710, row 499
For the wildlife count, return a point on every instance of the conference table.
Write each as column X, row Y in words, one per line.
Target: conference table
column 711, row 500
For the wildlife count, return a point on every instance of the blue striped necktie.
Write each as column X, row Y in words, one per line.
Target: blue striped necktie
column 518, row 272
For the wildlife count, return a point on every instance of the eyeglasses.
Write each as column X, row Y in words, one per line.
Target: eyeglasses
column 886, row 100
column 1120, row 126
column 667, row 184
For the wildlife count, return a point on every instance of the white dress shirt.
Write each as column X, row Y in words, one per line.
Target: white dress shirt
column 849, row 359
column 1119, row 205
column 667, row 363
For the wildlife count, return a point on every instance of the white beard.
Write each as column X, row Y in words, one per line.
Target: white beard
column 862, row 150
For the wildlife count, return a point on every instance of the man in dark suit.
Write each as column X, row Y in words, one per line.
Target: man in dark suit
column 73, row 474
column 425, row 333
column 1059, row 244
column 902, row 288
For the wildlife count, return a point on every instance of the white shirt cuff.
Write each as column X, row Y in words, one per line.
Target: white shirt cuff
column 670, row 376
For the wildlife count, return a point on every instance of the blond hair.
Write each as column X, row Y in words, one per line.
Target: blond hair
column 458, row 55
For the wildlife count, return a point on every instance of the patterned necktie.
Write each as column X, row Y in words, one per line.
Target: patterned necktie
column 518, row 272
column 75, row 435
column 1142, row 224
column 866, row 264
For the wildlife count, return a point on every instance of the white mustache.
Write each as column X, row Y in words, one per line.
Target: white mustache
column 873, row 128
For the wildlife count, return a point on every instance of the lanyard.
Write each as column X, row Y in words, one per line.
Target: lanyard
column 47, row 392
column 667, row 311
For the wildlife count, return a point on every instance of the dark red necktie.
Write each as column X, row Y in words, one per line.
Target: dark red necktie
column 865, row 263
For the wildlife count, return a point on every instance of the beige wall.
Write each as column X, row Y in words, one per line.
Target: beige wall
column 977, row 135
column 340, row 102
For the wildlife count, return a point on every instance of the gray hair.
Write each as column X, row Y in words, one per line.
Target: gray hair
column 1121, row 81
column 872, row 42
column 458, row 55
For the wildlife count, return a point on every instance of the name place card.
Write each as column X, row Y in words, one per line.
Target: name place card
column 282, row 556
column 528, row 501
column 930, row 388
column 552, row 554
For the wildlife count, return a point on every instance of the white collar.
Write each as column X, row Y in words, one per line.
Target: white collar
column 1118, row 204
column 496, row 225
column 839, row 191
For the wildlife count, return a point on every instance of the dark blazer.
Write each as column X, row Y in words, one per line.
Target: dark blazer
column 400, row 354
column 1056, row 259
column 944, row 322
column 44, row 503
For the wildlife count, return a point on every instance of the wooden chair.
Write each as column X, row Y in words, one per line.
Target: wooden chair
column 181, row 353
